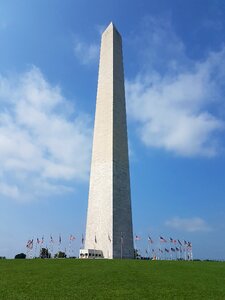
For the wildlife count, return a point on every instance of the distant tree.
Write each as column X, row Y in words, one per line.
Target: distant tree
column 44, row 253
column 20, row 256
column 60, row 254
column 2, row 257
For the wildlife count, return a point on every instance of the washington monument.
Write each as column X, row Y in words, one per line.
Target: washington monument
column 109, row 219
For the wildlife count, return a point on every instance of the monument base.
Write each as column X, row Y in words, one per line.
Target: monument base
column 90, row 254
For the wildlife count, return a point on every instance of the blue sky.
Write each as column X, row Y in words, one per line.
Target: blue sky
column 174, row 58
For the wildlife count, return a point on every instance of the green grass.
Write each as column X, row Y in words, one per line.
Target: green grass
column 111, row 279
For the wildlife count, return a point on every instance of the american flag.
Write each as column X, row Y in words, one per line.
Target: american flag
column 95, row 240
column 150, row 240
column 38, row 241
column 189, row 245
column 109, row 238
column 162, row 239
column 60, row 239
column 82, row 240
column 51, row 239
column 167, row 250
column 72, row 237
column 171, row 240
column 179, row 242
column 172, row 249
column 137, row 238
column 121, row 238
column 30, row 244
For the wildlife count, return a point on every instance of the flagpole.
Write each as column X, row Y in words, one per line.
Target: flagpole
column 121, row 246
column 160, row 250
column 82, row 241
column 94, row 246
column 27, row 250
column 35, row 249
column 32, row 247
column 109, row 242
column 135, row 245
column 59, row 244
column 69, row 250
column 52, row 248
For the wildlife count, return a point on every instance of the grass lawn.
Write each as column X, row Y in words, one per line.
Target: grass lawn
column 111, row 279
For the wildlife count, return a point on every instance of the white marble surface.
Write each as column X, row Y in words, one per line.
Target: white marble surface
column 109, row 204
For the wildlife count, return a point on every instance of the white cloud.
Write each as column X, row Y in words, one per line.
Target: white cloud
column 44, row 143
column 188, row 224
column 86, row 53
column 172, row 96
column 9, row 191
column 162, row 49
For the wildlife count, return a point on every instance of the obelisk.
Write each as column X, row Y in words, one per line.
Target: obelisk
column 109, row 216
